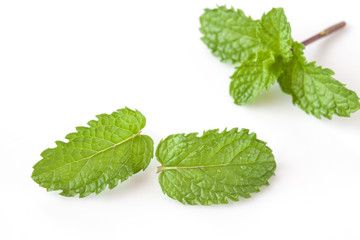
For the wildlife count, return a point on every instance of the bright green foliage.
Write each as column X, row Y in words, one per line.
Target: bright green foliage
column 230, row 34
column 215, row 167
column 252, row 77
column 110, row 150
column 276, row 32
column 264, row 50
column 314, row 89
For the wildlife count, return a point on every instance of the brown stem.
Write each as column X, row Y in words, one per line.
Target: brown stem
column 324, row 33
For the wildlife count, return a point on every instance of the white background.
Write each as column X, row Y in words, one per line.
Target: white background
column 63, row 62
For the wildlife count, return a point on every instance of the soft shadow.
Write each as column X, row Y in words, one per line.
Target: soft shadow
column 131, row 184
column 352, row 122
column 273, row 96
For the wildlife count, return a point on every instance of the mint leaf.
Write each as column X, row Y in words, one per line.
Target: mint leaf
column 215, row 167
column 252, row 77
column 276, row 32
column 110, row 150
column 314, row 89
column 230, row 34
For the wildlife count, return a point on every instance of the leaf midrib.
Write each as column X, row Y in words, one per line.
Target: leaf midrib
column 99, row 152
column 163, row 168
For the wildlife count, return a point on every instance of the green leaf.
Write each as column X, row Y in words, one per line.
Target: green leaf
column 110, row 150
column 252, row 77
column 230, row 34
column 215, row 167
column 276, row 33
column 314, row 89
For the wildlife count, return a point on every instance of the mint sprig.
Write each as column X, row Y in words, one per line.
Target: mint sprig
column 265, row 51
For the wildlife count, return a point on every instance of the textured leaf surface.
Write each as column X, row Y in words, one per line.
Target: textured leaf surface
column 215, row 167
column 233, row 36
column 315, row 90
column 252, row 77
column 230, row 34
column 276, row 32
column 110, row 150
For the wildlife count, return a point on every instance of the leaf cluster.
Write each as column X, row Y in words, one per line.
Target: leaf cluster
column 264, row 52
column 210, row 169
column 217, row 166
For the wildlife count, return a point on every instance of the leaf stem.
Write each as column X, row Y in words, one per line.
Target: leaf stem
column 324, row 33
column 160, row 169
